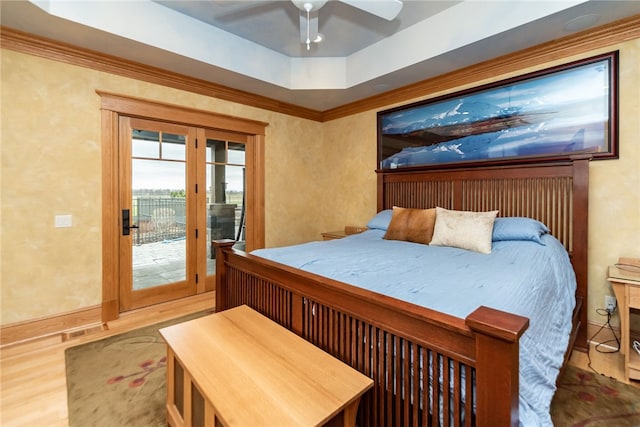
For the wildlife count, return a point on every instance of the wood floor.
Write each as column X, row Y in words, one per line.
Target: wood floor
column 33, row 387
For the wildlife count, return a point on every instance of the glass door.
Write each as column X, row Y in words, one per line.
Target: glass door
column 225, row 164
column 168, row 182
column 157, row 175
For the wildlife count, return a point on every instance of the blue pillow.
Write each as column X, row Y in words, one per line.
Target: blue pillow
column 381, row 220
column 518, row 228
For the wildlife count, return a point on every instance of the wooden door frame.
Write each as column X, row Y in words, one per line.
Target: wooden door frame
column 113, row 106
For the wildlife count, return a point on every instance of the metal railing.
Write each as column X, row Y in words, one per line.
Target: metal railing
column 164, row 218
column 159, row 219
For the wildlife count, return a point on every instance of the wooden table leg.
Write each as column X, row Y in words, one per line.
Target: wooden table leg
column 172, row 412
column 350, row 413
column 209, row 414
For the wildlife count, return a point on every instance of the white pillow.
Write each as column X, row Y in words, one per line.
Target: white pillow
column 464, row 229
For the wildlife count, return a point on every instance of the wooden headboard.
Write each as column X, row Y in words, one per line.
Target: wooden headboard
column 555, row 193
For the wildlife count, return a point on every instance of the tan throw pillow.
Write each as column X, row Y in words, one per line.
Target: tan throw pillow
column 411, row 225
column 464, row 229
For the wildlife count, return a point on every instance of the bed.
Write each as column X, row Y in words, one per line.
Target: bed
column 431, row 366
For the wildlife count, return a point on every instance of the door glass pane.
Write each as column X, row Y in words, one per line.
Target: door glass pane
column 145, row 144
column 225, row 195
column 216, row 151
column 159, row 210
column 236, row 153
column 173, row 147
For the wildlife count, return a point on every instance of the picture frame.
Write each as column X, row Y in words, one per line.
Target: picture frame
column 549, row 114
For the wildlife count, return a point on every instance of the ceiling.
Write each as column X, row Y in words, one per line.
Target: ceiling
column 255, row 46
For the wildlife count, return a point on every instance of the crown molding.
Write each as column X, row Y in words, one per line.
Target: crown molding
column 575, row 44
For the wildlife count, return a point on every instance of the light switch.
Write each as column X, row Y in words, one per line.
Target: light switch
column 63, row 221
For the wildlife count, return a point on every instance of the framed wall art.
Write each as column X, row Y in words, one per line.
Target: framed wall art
column 553, row 113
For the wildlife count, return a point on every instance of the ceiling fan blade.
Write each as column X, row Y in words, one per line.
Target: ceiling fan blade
column 386, row 9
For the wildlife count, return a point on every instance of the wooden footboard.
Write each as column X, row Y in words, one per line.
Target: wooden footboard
column 428, row 368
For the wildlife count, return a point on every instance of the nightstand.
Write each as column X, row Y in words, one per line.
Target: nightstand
column 348, row 230
column 626, row 287
column 331, row 235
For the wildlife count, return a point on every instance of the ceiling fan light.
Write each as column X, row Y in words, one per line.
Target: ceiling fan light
column 311, row 4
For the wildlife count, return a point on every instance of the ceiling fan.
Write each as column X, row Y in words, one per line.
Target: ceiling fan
column 386, row 9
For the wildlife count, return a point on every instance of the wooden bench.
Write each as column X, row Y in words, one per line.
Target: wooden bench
column 238, row 368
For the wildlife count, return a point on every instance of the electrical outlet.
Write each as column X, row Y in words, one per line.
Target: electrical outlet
column 609, row 303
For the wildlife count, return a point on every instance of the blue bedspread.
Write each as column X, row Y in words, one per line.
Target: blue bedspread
column 521, row 277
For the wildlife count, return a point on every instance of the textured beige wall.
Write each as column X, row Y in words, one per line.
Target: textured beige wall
column 51, row 164
column 350, row 180
column 292, row 168
column 319, row 177
column 614, row 214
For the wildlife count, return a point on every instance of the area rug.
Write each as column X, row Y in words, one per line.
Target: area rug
column 587, row 399
column 120, row 380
